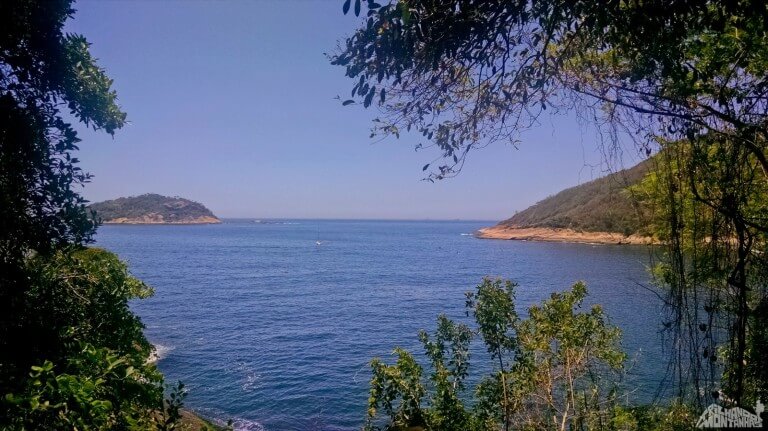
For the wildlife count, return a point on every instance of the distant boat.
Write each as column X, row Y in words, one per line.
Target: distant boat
column 318, row 242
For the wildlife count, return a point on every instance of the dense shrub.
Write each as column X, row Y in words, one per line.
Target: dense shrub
column 88, row 359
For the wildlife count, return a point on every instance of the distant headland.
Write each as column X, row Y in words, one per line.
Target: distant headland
column 152, row 208
column 598, row 212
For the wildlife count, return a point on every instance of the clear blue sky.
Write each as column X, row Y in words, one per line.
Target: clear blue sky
column 231, row 103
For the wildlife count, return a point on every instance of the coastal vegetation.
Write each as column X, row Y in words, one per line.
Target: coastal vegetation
column 607, row 210
column 602, row 205
column 72, row 354
column 684, row 80
column 85, row 361
column 709, row 204
column 152, row 208
column 555, row 369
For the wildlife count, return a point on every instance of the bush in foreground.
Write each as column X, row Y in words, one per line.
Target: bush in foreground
column 87, row 360
column 554, row 370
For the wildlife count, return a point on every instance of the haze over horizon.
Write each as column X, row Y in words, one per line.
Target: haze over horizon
column 232, row 104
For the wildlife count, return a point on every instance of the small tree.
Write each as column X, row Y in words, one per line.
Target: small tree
column 567, row 365
column 493, row 307
column 551, row 371
column 448, row 354
column 398, row 390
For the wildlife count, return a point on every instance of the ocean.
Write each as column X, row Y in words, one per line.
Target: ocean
column 269, row 329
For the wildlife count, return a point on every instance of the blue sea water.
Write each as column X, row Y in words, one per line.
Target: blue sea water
column 269, row 329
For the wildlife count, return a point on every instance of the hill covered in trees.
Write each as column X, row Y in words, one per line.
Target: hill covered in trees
column 152, row 208
column 602, row 210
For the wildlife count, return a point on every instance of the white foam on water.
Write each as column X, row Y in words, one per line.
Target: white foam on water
column 250, row 378
column 238, row 424
column 251, row 381
column 159, row 352
column 246, row 425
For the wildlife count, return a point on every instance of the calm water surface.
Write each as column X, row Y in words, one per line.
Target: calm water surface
column 275, row 332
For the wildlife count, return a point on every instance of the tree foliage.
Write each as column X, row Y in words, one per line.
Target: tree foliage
column 550, row 371
column 44, row 74
column 709, row 203
column 468, row 73
column 72, row 354
column 686, row 77
column 86, row 350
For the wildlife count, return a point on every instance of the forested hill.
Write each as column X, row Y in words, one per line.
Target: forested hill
column 153, row 209
column 601, row 205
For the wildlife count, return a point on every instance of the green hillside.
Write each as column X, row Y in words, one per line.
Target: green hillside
column 153, row 208
column 601, row 205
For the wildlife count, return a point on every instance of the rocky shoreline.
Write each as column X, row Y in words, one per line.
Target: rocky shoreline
column 559, row 235
column 150, row 219
column 190, row 420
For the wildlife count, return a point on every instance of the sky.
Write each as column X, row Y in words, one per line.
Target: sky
column 233, row 104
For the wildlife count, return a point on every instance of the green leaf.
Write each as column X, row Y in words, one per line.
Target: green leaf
column 345, row 8
column 369, row 97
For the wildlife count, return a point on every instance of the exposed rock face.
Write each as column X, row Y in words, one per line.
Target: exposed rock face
column 559, row 235
column 153, row 209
